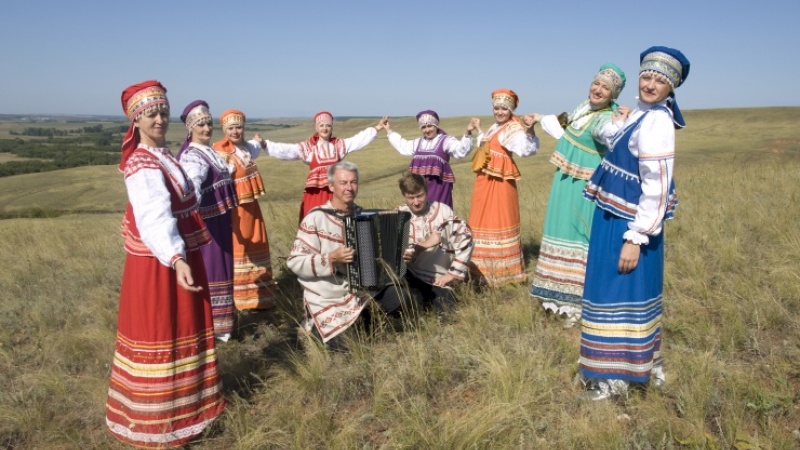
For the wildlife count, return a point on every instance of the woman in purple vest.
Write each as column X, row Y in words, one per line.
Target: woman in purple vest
column 217, row 196
column 431, row 154
column 635, row 193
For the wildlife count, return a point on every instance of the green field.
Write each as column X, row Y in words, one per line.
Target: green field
column 500, row 376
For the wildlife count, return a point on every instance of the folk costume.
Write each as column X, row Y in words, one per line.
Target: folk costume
column 452, row 255
column 635, row 193
column 494, row 213
column 328, row 302
column 319, row 155
column 253, row 286
column 431, row 157
column 212, row 181
column 561, row 268
column 165, row 388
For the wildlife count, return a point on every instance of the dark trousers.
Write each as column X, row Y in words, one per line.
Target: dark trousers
column 415, row 293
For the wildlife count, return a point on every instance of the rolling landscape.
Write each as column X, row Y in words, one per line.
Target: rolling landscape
column 500, row 375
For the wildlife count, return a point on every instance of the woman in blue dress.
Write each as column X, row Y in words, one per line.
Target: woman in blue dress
column 635, row 193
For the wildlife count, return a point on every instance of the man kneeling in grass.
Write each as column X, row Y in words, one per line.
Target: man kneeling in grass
column 439, row 248
column 319, row 258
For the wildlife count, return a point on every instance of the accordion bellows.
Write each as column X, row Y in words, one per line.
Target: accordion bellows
column 379, row 237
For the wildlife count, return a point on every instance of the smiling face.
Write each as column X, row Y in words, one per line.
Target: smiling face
column 345, row 189
column 429, row 131
column 653, row 87
column 235, row 133
column 201, row 133
column 599, row 94
column 324, row 130
column 153, row 126
column 501, row 114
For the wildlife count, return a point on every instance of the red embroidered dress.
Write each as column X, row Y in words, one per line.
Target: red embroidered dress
column 165, row 387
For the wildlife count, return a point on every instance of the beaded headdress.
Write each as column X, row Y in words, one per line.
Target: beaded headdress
column 505, row 97
column 665, row 61
column 428, row 117
column 153, row 96
column 196, row 113
column 231, row 117
column 323, row 117
column 613, row 76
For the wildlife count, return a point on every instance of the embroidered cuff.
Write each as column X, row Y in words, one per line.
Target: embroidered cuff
column 175, row 259
column 636, row 238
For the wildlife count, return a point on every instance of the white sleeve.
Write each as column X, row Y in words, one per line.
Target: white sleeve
column 152, row 210
column 253, row 147
column 196, row 167
column 458, row 148
column 551, row 126
column 601, row 133
column 306, row 259
column 522, row 144
column 360, row 140
column 655, row 145
column 403, row 146
column 605, row 134
column 286, row 152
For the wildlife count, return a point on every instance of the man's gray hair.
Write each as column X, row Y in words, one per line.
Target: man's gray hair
column 342, row 165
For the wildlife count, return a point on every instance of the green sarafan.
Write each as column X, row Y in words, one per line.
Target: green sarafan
column 498, row 374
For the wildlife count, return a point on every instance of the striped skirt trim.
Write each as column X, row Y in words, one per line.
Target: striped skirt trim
column 622, row 313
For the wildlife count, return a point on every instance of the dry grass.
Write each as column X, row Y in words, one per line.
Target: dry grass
column 501, row 375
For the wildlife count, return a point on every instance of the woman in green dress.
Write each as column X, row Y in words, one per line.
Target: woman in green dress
column 561, row 267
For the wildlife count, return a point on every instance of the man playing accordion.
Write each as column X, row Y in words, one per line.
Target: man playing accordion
column 320, row 259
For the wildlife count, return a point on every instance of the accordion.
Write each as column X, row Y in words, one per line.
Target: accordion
column 379, row 238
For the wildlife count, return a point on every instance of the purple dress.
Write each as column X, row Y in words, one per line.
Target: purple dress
column 217, row 197
column 434, row 165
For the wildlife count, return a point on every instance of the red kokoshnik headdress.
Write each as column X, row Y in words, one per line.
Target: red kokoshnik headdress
column 136, row 99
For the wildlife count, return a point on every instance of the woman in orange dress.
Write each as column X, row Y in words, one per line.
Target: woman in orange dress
column 494, row 214
column 253, row 286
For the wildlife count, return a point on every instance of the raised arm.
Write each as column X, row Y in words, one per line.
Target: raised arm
column 362, row 139
column 520, row 138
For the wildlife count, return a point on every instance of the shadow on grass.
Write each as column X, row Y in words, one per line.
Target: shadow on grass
column 263, row 339
column 530, row 251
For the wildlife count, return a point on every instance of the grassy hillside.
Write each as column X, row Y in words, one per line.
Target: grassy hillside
column 501, row 375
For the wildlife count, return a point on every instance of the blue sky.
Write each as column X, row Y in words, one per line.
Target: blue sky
column 360, row 58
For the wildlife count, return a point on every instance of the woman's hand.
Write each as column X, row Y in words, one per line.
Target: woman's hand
column 261, row 141
column 531, row 119
column 184, row 275
column 621, row 114
column 528, row 121
column 474, row 125
column 383, row 124
column 628, row 257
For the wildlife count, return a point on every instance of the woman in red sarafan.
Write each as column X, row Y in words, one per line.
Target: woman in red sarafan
column 165, row 387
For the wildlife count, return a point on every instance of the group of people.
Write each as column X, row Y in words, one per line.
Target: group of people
column 601, row 262
column 198, row 251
